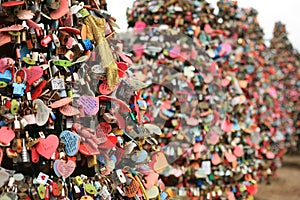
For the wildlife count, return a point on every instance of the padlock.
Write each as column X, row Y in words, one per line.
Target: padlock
column 120, row 177
column 17, row 125
column 58, row 84
column 19, row 88
column 53, row 4
column 56, row 40
column 109, row 118
column 29, row 116
column 63, row 37
column 23, row 123
column 46, row 40
column 33, row 36
column 6, row 76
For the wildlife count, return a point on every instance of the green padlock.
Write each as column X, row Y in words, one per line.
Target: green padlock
column 3, row 84
column 62, row 63
column 14, row 108
column 90, row 189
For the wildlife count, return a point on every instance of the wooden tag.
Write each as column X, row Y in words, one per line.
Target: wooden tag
column 47, row 146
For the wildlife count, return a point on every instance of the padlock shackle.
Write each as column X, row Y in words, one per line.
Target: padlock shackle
column 25, row 75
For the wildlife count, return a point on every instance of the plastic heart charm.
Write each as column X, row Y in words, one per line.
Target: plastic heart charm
column 46, row 147
column 68, row 110
column 6, row 135
column 33, row 74
column 42, row 112
column 90, row 104
column 61, row 11
column 215, row 159
column 71, row 141
column 238, row 151
column 270, row 155
column 159, row 162
column 66, row 168
column 150, row 180
column 61, row 102
column 230, row 157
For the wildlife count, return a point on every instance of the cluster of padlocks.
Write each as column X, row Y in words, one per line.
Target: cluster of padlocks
column 191, row 104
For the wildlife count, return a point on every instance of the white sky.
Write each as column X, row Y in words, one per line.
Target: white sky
column 269, row 11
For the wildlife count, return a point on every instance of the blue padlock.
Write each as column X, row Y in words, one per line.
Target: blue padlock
column 19, row 88
column 6, row 76
column 87, row 44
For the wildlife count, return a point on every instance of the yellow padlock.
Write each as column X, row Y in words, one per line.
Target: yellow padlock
column 78, row 181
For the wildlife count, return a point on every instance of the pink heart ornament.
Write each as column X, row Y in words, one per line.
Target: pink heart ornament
column 6, row 135
column 90, row 104
column 55, row 168
column 34, row 74
column 214, row 138
column 230, row 157
column 66, row 168
column 238, row 151
column 47, row 146
column 215, row 159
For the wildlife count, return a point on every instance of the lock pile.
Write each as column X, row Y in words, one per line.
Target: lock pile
column 231, row 130
column 72, row 116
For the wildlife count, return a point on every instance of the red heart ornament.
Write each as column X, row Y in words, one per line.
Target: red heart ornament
column 66, row 168
column 110, row 143
column 6, row 135
column 47, row 146
column 252, row 189
column 12, row 3
column 88, row 150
